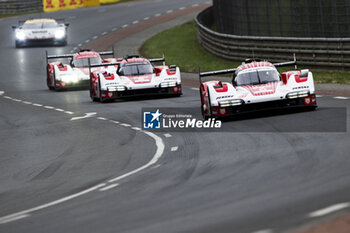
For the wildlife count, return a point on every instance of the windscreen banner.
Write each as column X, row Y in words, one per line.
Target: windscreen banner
column 57, row 5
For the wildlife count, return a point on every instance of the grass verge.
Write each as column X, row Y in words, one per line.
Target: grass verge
column 181, row 48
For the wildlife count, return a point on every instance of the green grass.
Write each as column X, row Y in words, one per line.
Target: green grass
column 19, row 14
column 181, row 48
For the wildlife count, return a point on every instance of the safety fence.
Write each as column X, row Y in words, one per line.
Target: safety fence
column 320, row 52
column 15, row 6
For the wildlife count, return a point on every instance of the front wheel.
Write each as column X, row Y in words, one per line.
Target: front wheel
column 18, row 44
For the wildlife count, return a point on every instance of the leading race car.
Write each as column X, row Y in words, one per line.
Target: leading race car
column 40, row 32
column 256, row 85
column 135, row 76
column 76, row 73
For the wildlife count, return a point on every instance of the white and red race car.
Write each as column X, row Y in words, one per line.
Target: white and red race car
column 134, row 76
column 256, row 85
column 41, row 31
column 76, row 74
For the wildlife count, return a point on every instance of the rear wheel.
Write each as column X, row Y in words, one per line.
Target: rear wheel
column 102, row 100
column 206, row 117
column 92, row 91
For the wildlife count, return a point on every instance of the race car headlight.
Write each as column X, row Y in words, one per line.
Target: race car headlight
column 116, row 88
column 59, row 34
column 70, row 78
column 228, row 103
column 168, row 84
column 20, row 35
column 297, row 94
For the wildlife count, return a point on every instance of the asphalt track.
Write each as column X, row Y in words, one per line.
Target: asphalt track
column 101, row 174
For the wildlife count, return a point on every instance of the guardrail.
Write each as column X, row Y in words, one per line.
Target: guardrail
column 321, row 52
column 15, row 6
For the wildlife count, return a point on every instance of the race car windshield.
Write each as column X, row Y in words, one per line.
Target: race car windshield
column 39, row 25
column 84, row 62
column 257, row 77
column 136, row 69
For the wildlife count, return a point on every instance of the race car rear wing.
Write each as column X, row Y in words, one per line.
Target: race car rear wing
column 212, row 73
column 218, row 72
column 71, row 55
column 289, row 63
column 158, row 60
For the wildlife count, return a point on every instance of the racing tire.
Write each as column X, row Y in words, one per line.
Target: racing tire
column 94, row 99
column 64, row 43
column 48, row 80
column 202, row 110
column 102, row 100
column 18, row 44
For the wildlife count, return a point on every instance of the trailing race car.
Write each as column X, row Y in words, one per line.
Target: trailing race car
column 40, row 32
column 256, row 85
column 76, row 73
column 135, row 76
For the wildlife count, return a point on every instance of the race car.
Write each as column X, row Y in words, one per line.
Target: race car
column 45, row 31
column 135, row 76
column 256, row 85
column 76, row 73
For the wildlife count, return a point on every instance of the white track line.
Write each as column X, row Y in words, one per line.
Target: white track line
column 170, row 11
column 2, row 92
column 158, row 14
column 27, row 102
column 125, row 25
column 87, row 41
column 264, row 231
column 108, row 187
column 167, row 135
column 48, row 107
column 115, row 122
column 125, row 125
column 135, row 22
column 341, row 98
column 68, row 112
column 59, row 201
column 182, row 8
column 160, row 149
column 38, row 105
column 87, row 115
column 114, row 29
column 103, row 33
column 146, row 18
column 174, row 148
column 14, row 218
column 328, row 210
column 195, row 88
column 25, row 213
column 102, row 118
column 94, row 37
column 195, row 5
column 136, row 128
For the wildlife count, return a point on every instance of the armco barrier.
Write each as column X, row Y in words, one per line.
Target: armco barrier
column 16, row 6
column 321, row 52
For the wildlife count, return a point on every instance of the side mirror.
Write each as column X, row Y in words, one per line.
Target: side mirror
column 14, row 27
column 66, row 24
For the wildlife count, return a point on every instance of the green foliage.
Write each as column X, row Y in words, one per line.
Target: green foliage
column 181, row 48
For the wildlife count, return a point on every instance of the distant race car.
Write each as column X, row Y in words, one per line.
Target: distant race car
column 76, row 73
column 135, row 76
column 256, row 85
column 40, row 32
